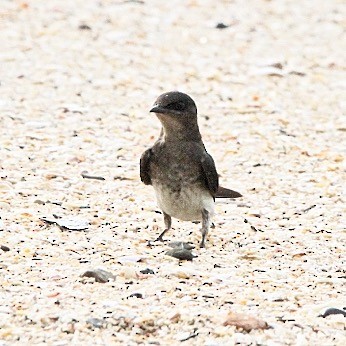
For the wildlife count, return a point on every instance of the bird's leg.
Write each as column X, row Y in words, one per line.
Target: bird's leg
column 205, row 225
column 168, row 223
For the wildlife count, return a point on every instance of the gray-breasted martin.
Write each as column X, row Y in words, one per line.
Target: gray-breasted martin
column 179, row 168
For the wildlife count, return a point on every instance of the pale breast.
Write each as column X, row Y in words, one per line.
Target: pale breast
column 186, row 204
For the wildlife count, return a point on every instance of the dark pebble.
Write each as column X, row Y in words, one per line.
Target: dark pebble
column 147, row 271
column 5, row 248
column 137, row 295
column 297, row 73
column 333, row 311
column 84, row 27
column 221, row 26
column 99, row 275
column 181, row 254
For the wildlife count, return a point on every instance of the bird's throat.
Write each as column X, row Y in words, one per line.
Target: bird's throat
column 173, row 130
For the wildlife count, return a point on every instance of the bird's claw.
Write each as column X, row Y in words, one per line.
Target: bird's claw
column 160, row 238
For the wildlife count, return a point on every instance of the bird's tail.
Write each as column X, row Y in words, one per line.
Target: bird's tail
column 223, row 192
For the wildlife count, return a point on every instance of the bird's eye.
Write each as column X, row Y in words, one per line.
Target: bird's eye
column 177, row 106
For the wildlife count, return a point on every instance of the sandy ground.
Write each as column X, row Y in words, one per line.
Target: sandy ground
column 77, row 81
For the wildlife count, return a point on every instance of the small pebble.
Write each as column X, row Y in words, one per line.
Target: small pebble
column 84, row 27
column 147, row 271
column 99, row 275
column 5, row 248
column 333, row 311
column 221, row 26
column 137, row 295
column 181, row 254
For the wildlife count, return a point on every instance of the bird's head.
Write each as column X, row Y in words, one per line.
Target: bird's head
column 175, row 104
column 177, row 113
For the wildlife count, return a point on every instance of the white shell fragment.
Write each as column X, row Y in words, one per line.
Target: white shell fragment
column 74, row 224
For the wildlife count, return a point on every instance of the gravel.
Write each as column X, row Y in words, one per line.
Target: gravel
column 77, row 79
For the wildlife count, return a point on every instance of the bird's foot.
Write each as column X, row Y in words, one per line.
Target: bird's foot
column 160, row 237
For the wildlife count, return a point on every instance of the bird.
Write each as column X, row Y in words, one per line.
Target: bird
column 179, row 168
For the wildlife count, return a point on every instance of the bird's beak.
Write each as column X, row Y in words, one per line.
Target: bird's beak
column 157, row 109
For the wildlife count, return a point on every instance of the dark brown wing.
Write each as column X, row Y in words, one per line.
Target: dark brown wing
column 145, row 167
column 223, row 192
column 210, row 174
